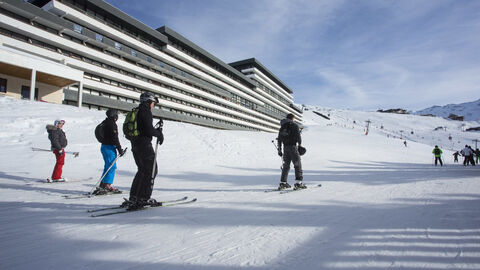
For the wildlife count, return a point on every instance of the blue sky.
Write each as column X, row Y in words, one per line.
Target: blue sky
column 341, row 54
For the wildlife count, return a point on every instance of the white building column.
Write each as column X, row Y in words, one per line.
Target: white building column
column 33, row 78
column 80, row 94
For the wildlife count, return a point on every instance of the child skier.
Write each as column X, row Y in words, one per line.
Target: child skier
column 58, row 141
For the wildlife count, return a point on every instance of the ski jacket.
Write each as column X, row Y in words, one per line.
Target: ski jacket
column 144, row 124
column 437, row 152
column 294, row 137
column 57, row 137
column 466, row 152
column 110, row 130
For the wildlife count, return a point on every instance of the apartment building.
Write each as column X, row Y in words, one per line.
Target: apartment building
column 89, row 53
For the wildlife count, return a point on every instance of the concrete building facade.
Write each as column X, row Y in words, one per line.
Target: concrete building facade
column 88, row 53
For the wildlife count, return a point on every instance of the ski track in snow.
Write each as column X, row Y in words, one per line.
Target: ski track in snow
column 381, row 205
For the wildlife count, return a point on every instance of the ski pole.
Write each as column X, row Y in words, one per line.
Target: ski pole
column 157, row 126
column 103, row 176
column 281, row 158
column 35, row 149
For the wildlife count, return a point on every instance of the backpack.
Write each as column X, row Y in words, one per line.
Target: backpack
column 100, row 132
column 286, row 133
column 130, row 128
column 437, row 151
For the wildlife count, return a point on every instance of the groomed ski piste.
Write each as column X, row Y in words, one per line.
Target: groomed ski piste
column 381, row 205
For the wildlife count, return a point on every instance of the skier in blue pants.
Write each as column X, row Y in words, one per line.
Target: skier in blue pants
column 109, row 148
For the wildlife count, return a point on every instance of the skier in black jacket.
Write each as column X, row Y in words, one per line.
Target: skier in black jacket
column 289, row 136
column 109, row 148
column 144, row 154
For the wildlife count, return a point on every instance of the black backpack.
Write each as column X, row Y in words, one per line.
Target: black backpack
column 100, row 132
column 437, row 151
column 286, row 133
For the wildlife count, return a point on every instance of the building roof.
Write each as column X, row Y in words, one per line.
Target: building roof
column 172, row 35
column 129, row 20
column 263, row 69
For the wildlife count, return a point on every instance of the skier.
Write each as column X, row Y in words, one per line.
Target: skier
column 144, row 154
column 455, row 156
column 466, row 153
column 289, row 136
column 438, row 155
column 109, row 148
column 58, row 141
column 405, row 143
column 472, row 156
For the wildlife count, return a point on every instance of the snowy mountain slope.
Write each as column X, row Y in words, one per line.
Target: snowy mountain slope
column 423, row 129
column 381, row 205
column 470, row 110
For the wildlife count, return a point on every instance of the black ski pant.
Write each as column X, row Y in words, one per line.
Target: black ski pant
column 438, row 159
column 144, row 155
column 291, row 155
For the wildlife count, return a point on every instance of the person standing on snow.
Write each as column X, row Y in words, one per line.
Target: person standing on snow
column 58, row 141
column 289, row 136
column 472, row 156
column 455, row 156
column 467, row 153
column 477, row 155
column 109, row 148
column 144, row 154
column 438, row 155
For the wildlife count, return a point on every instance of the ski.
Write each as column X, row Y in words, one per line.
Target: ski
column 293, row 190
column 123, row 211
column 287, row 190
column 75, row 154
column 118, row 207
column 89, row 195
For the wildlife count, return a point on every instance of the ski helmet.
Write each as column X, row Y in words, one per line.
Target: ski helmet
column 302, row 150
column 58, row 121
column 147, row 96
column 112, row 113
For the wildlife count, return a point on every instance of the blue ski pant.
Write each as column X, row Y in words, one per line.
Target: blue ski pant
column 109, row 153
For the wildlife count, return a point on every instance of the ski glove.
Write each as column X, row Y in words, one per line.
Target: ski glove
column 121, row 152
column 160, row 138
column 280, row 153
column 61, row 152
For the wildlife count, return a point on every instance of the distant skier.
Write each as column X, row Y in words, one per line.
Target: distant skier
column 289, row 136
column 144, row 154
column 477, row 155
column 467, row 153
column 405, row 143
column 472, row 156
column 109, row 148
column 58, row 141
column 455, row 156
column 438, row 155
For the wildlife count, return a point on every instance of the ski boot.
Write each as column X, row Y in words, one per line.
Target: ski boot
column 110, row 189
column 138, row 204
column 299, row 185
column 99, row 191
column 153, row 202
column 283, row 185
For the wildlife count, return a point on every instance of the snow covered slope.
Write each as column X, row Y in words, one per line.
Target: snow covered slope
column 470, row 110
column 381, row 205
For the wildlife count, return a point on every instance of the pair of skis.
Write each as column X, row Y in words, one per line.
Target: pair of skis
column 290, row 190
column 108, row 211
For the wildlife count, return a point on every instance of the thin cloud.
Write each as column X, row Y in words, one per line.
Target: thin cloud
column 355, row 54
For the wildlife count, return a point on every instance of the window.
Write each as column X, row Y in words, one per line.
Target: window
column 134, row 53
column 99, row 37
column 77, row 28
column 3, row 85
column 149, row 59
column 118, row 46
column 26, row 92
